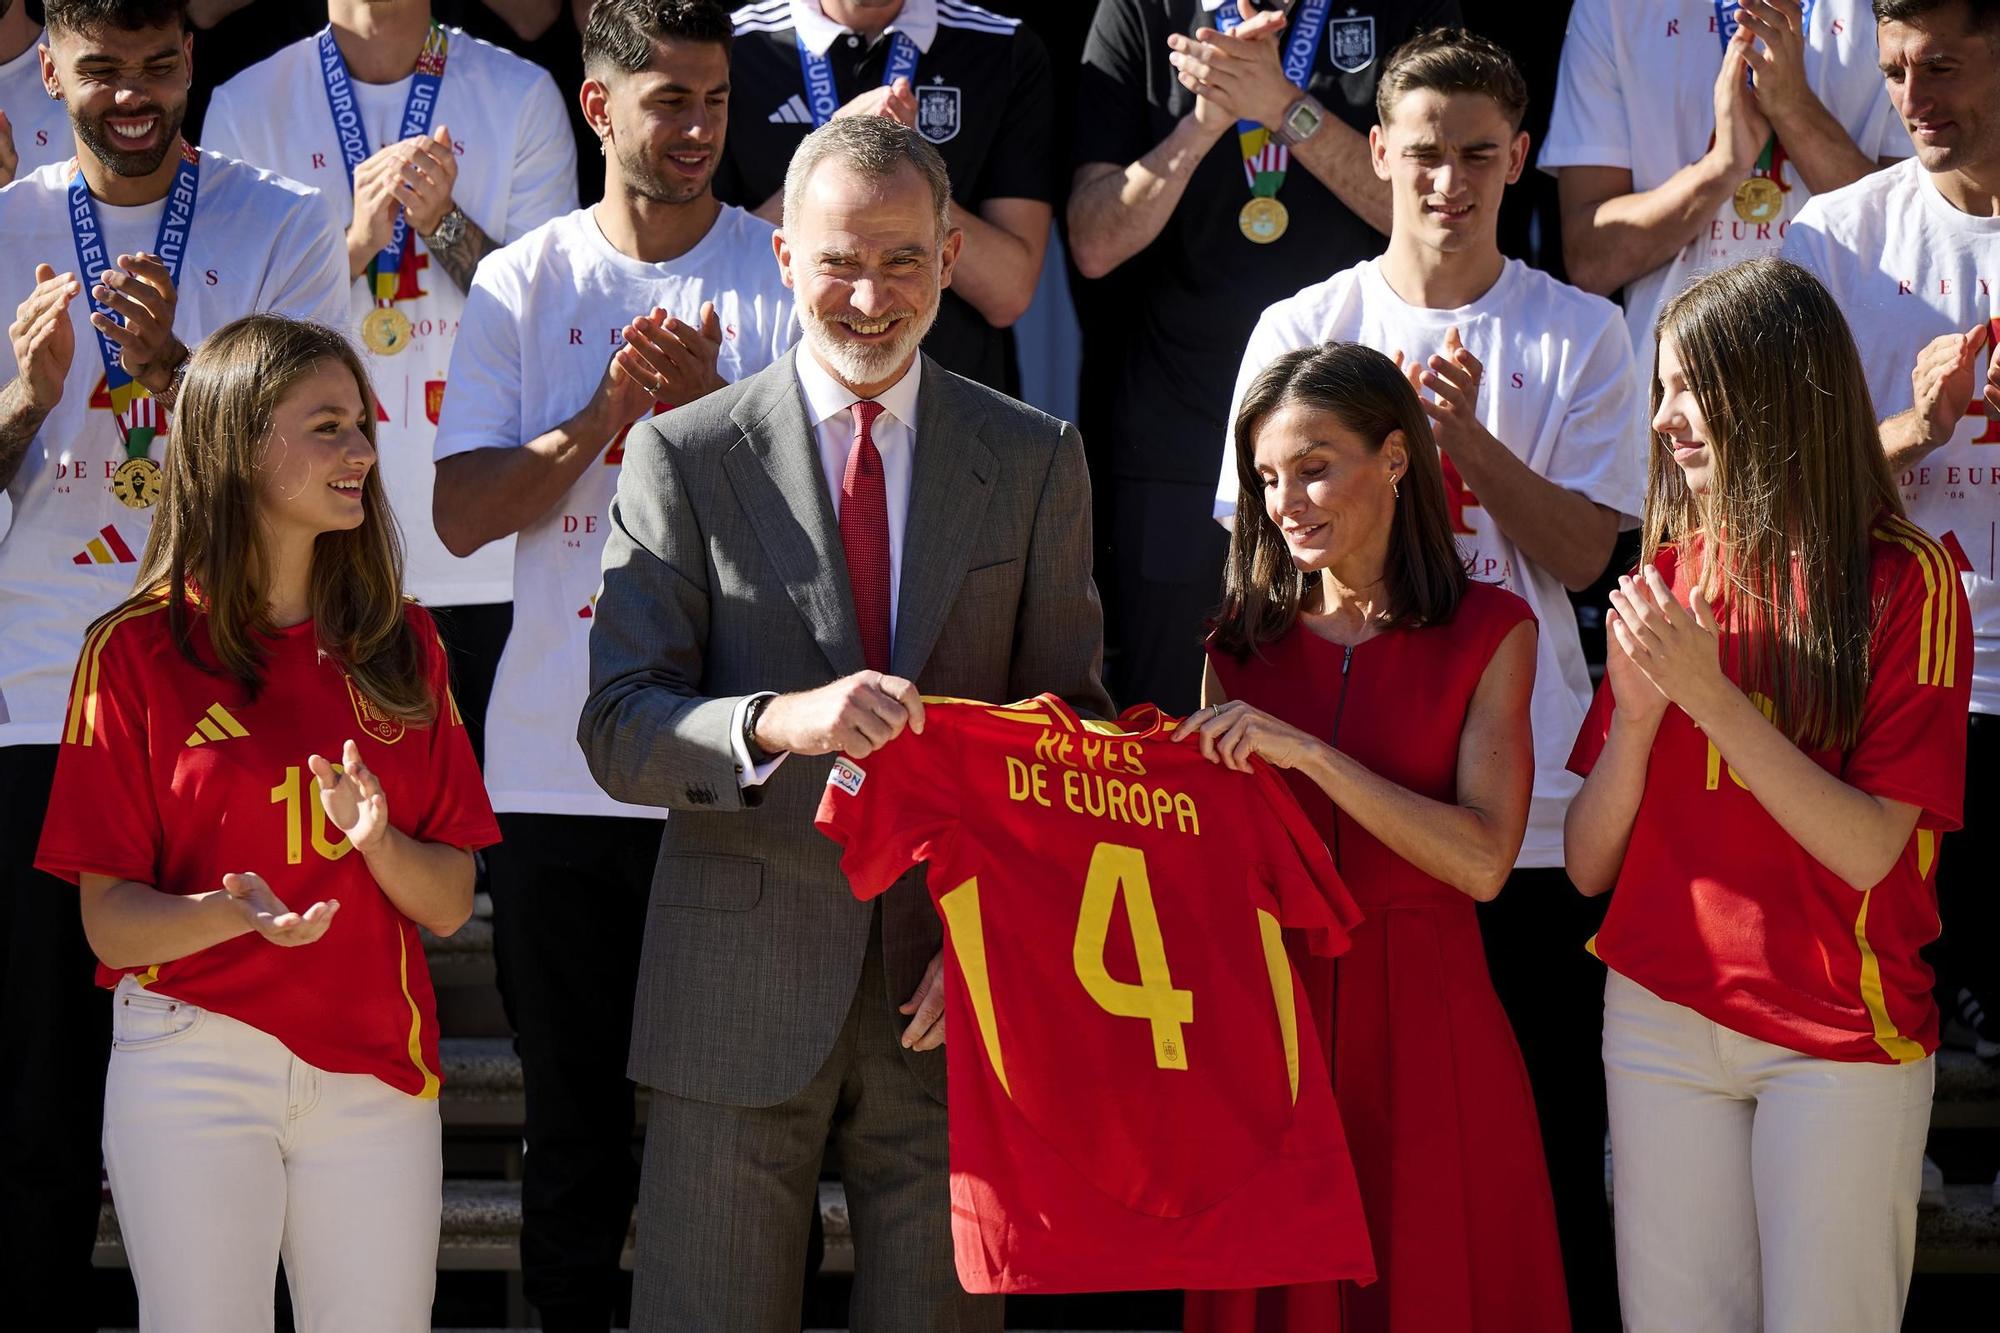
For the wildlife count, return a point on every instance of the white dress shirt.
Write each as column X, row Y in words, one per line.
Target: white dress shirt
column 895, row 434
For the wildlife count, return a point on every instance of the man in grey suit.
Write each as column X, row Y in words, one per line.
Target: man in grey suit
column 853, row 514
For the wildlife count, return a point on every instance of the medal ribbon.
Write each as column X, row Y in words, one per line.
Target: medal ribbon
column 383, row 269
column 1264, row 158
column 139, row 418
column 817, row 70
column 1773, row 156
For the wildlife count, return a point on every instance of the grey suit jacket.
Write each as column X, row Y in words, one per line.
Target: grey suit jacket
column 724, row 575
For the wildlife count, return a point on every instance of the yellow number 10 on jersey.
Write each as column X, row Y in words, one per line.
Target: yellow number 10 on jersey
column 295, row 792
column 1117, row 870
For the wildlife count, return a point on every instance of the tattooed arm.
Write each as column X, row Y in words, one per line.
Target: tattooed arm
column 43, row 343
column 460, row 255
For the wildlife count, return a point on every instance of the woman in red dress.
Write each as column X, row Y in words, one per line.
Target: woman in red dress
column 1354, row 653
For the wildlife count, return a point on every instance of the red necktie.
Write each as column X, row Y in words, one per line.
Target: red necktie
column 864, row 531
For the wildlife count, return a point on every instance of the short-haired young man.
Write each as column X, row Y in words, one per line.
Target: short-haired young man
column 642, row 303
column 431, row 149
column 112, row 270
column 1541, row 430
column 1912, row 254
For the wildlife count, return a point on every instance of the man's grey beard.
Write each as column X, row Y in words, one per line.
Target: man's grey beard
column 859, row 364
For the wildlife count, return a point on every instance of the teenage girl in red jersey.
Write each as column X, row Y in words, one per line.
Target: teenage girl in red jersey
column 1353, row 652
column 263, row 789
column 1778, row 743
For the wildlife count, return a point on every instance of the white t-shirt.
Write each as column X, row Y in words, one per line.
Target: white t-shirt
column 1559, row 391
column 540, row 326
column 1637, row 90
column 41, row 126
column 516, row 170
column 1906, row 266
column 258, row 242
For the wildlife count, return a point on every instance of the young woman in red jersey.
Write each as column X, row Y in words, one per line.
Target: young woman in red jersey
column 1778, row 744
column 1354, row 653
column 254, row 902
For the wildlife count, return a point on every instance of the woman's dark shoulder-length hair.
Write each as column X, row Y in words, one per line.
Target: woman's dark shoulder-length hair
column 1263, row 590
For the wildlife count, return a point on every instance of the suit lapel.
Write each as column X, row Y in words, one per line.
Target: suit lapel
column 951, row 481
column 774, row 470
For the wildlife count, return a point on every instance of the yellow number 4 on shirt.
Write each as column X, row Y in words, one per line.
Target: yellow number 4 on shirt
column 1115, row 869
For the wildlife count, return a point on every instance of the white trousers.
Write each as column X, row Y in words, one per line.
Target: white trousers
column 226, row 1152
column 1755, row 1188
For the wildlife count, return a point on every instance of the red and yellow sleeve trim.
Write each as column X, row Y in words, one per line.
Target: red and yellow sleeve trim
column 81, row 725
column 1937, row 636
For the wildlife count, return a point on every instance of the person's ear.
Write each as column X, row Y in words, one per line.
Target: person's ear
column 781, row 250
column 1378, row 151
column 595, row 99
column 1396, row 456
column 1517, row 157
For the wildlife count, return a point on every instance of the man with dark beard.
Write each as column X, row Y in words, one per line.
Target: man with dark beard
column 644, row 302
column 112, row 271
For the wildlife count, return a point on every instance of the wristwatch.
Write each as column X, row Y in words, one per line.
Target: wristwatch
column 1300, row 122
column 449, row 229
column 751, row 712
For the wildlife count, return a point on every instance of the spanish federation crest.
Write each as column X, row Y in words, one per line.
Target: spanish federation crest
column 1350, row 42
column 938, row 112
column 371, row 718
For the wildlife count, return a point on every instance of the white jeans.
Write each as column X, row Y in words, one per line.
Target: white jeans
column 226, row 1152
column 1755, row 1187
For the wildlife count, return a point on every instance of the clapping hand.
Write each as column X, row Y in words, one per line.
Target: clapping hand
column 271, row 918
column 1453, row 379
column 1943, row 382
column 352, row 797
column 140, row 291
column 1674, row 647
column 897, row 101
column 1236, row 74
column 1778, row 60
column 43, row 338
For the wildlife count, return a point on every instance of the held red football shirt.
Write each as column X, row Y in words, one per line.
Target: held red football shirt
column 1719, row 909
column 1137, row 1094
column 171, row 777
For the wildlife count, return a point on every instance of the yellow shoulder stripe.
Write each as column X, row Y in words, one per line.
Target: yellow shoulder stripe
column 81, row 727
column 1937, row 631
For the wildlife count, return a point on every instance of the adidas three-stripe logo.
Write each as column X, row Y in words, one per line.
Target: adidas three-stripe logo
column 793, row 112
column 216, row 725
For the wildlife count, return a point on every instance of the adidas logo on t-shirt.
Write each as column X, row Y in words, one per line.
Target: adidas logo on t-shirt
column 792, row 112
column 215, row 725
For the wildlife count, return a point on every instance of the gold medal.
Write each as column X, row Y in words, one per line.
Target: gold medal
column 136, row 483
column 1759, row 200
column 1263, row 220
column 386, row 330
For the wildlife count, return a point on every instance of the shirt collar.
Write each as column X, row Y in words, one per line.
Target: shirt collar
column 918, row 19
column 1211, row 5
column 827, row 397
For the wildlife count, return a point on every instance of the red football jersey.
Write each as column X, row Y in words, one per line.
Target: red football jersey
column 171, row 777
column 1719, row 909
column 1137, row 1094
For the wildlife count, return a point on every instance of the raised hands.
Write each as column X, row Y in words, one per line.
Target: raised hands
column 271, row 918
column 140, row 291
column 43, row 339
column 1236, row 75
column 1741, row 127
column 1453, row 378
column 664, row 360
column 416, row 174
column 1672, row 646
column 897, row 101
column 1944, row 382
column 352, row 797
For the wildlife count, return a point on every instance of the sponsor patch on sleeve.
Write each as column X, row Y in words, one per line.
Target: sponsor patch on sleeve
column 847, row 775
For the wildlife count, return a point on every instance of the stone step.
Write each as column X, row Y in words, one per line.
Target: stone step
column 1968, row 1092
column 481, row 1228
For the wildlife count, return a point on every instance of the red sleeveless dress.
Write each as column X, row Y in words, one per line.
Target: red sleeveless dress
column 1439, row 1114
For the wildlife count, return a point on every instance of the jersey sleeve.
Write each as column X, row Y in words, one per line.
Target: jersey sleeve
column 1112, row 115
column 482, row 389
column 1595, row 731
column 889, row 812
column 1588, row 125
column 1600, row 450
column 542, row 182
column 104, row 817
column 1912, row 742
column 457, row 811
column 1023, row 164
column 1300, row 873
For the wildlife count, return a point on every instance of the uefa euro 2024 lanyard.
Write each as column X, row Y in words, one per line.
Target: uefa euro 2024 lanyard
column 386, row 330
column 1265, row 160
column 821, row 98
column 136, row 483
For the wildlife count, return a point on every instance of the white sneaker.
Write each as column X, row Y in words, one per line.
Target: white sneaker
column 1932, row 1194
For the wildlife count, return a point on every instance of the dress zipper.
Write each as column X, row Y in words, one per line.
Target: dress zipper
column 1339, row 708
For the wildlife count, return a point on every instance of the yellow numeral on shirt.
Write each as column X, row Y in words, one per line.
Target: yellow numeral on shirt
column 1115, row 870
column 292, row 794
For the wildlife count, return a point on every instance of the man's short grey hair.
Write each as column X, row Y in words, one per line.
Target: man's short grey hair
column 877, row 147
